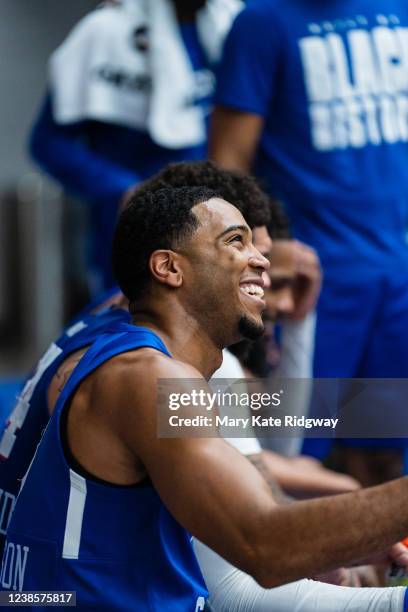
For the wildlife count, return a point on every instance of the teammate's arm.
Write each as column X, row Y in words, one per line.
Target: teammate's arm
column 246, row 86
column 258, row 461
column 303, row 478
column 234, row 138
column 217, row 495
column 62, row 151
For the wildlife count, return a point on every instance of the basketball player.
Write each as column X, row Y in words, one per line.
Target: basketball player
column 185, row 260
column 30, row 416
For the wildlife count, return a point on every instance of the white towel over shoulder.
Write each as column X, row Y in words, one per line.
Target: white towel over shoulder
column 99, row 73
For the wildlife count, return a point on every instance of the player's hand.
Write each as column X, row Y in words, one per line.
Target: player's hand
column 397, row 556
column 308, row 280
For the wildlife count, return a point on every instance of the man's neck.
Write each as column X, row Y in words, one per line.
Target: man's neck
column 184, row 338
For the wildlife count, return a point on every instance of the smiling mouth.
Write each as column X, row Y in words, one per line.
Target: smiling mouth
column 252, row 290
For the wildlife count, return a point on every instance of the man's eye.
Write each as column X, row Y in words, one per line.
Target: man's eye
column 237, row 238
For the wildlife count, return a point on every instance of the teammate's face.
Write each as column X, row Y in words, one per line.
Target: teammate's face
column 224, row 273
column 279, row 296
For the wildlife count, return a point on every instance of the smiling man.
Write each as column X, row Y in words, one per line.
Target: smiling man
column 122, row 498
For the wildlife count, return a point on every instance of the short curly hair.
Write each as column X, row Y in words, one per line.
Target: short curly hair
column 154, row 219
column 241, row 190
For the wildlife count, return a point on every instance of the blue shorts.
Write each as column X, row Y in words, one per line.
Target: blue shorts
column 362, row 332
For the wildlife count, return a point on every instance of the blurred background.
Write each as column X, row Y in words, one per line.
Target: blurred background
column 336, row 158
column 38, row 246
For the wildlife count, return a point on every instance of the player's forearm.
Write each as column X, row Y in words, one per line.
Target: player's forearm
column 221, row 499
column 63, row 154
column 323, row 534
column 303, row 481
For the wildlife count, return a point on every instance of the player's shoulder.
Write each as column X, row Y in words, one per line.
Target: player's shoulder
column 139, row 369
column 139, row 378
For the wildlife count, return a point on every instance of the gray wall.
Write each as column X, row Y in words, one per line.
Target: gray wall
column 29, row 31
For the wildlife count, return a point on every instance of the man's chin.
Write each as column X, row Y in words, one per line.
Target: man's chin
column 250, row 329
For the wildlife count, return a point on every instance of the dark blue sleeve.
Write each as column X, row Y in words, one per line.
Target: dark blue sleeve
column 406, row 601
column 61, row 151
column 247, row 73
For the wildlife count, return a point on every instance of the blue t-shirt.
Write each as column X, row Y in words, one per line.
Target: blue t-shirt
column 330, row 79
column 28, row 419
column 117, row 546
column 98, row 161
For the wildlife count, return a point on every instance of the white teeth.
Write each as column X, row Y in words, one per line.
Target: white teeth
column 252, row 290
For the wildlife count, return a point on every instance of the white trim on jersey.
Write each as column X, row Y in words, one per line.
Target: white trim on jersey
column 75, row 515
column 74, row 329
column 17, row 417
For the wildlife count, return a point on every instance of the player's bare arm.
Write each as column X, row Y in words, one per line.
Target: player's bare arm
column 197, row 478
column 234, row 137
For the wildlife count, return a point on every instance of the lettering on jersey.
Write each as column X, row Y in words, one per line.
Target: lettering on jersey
column 7, row 501
column 14, row 566
column 123, row 80
column 356, row 81
column 19, row 414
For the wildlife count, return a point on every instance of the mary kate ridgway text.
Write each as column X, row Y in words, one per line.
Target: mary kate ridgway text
column 251, row 421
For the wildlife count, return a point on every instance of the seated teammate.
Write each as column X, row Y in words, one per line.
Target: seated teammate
column 295, row 278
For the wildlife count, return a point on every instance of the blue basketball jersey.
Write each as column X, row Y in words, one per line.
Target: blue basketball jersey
column 117, row 546
column 28, row 419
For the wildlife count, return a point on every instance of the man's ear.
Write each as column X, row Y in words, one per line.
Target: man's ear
column 165, row 267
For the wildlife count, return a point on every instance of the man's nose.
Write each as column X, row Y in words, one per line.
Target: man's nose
column 266, row 280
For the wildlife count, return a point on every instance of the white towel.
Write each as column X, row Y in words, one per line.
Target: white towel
column 99, row 73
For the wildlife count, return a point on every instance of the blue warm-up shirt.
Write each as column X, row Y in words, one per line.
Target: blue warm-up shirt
column 330, row 79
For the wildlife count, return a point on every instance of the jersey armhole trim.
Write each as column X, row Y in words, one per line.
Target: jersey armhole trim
column 75, row 515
